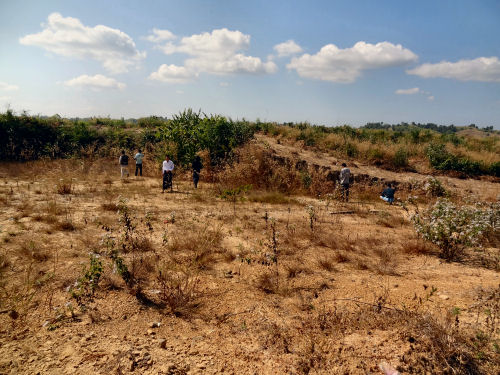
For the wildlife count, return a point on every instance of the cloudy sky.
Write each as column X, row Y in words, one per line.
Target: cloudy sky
column 326, row 62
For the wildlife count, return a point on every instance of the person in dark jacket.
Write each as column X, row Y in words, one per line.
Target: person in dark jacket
column 388, row 194
column 123, row 164
column 197, row 165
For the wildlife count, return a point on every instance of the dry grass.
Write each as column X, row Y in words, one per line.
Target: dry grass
column 64, row 187
column 327, row 264
column 113, row 207
column 65, row 225
column 270, row 198
column 32, row 250
column 295, row 269
column 307, row 326
column 179, row 290
column 418, row 247
column 268, row 282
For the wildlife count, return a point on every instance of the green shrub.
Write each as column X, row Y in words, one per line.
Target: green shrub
column 452, row 228
column 494, row 169
column 435, row 188
column 400, row 159
column 351, row 150
column 441, row 159
column 191, row 132
column 85, row 287
column 375, row 154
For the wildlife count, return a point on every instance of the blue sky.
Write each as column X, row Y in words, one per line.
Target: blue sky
column 325, row 62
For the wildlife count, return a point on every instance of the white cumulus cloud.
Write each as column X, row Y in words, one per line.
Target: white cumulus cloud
column 287, row 48
column 96, row 82
column 160, row 36
column 172, row 74
column 67, row 36
column 412, row 91
column 484, row 69
column 218, row 52
column 8, row 87
column 346, row 65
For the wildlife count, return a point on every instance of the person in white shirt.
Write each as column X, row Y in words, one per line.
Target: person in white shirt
column 167, row 168
column 138, row 162
column 344, row 180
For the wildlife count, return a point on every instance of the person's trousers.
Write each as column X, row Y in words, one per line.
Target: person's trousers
column 138, row 168
column 388, row 200
column 344, row 191
column 196, row 178
column 124, row 170
column 167, row 180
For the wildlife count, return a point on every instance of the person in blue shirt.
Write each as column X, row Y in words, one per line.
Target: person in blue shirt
column 138, row 162
column 388, row 194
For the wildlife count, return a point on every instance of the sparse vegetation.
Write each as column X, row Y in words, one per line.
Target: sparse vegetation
column 296, row 280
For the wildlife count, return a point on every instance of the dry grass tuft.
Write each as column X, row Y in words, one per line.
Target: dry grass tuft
column 64, row 187
column 267, row 282
column 30, row 249
column 65, row 225
column 179, row 290
column 270, row 198
column 327, row 264
column 387, row 261
column 341, row 257
column 109, row 207
column 417, row 247
column 295, row 269
column 4, row 261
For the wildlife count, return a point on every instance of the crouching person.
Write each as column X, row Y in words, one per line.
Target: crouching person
column 388, row 194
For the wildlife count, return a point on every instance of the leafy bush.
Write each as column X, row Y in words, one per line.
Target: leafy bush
column 441, row 159
column 452, row 228
column 494, row 169
column 351, row 150
column 191, row 132
column 435, row 188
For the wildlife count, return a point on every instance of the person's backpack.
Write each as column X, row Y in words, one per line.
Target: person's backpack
column 123, row 160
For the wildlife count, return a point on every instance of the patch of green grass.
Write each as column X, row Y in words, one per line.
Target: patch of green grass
column 271, row 198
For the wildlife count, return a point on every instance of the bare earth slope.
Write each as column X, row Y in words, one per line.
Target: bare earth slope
column 482, row 189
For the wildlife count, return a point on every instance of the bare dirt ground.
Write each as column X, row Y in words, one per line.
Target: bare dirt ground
column 287, row 285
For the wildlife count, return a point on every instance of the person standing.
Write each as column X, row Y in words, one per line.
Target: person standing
column 167, row 168
column 388, row 194
column 138, row 162
column 197, row 165
column 123, row 160
column 344, row 180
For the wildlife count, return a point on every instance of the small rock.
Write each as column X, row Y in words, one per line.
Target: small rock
column 151, row 332
column 444, row 296
column 163, row 343
column 155, row 324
